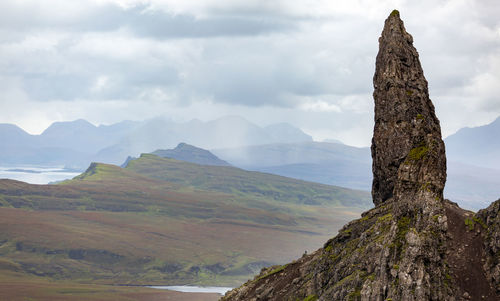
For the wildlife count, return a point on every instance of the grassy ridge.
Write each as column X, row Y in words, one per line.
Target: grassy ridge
column 161, row 221
column 244, row 183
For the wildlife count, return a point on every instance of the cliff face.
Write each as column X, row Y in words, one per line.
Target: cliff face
column 413, row 245
column 489, row 219
column 407, row 148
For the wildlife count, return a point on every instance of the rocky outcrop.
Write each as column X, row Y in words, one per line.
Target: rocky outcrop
column 407, row 148
column 489, row 219
column 413, row 245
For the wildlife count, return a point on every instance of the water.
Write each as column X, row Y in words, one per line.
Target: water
column 36, row 174
column 196, row 289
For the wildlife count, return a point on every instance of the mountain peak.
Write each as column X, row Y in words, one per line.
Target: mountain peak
column 407, row 148
column 190, row 153
column 68, row 127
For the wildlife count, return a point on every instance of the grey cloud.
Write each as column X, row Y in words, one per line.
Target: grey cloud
column 251, row 70
column 142, row 21
column 252, row 56
column 161, row 25
column 124, row 80
column 43, row 87
column 281, row 69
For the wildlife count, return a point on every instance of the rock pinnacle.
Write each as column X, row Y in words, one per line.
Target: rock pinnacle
column 413, row 245
column 407, row 149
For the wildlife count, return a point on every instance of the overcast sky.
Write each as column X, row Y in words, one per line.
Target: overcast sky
column 309, row 63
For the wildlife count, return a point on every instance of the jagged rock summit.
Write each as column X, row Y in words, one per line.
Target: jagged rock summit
column 414, row 245
column 407, row 148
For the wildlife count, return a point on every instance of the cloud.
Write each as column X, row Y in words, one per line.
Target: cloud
column 484, row 85
column 141, row 18
column 309, row 63
column 320, row 106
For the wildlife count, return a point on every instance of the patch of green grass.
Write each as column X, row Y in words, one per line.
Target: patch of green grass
column 400, row 239
column 418, row 153
column 311, row 298
column 350, row 277
column 272, row 272
column 480, row 222
column 426, row 186
column 354, row 296
column 384, row 219
column 469, row 223
column 403, row 227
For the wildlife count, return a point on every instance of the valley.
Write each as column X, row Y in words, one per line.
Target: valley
column 160, row 221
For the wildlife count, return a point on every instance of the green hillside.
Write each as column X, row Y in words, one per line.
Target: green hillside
column 162, row 221
column 247, row 184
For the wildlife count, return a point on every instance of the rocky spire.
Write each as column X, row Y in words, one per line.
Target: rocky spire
column 416, row 246
column 407, row 148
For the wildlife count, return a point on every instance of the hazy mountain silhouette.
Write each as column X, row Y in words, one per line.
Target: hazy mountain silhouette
column 476, row 146
column 71, row 143
column 226, row 132
column 312, row 161
column 77, row 143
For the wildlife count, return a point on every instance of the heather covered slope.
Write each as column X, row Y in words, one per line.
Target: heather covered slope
column 162, row 221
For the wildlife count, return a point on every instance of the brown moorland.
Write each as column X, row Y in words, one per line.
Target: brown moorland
column 165, row 222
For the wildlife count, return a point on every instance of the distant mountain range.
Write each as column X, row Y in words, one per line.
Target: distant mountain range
column 70, row 144
column 231, row 131
column 473, row 163
column 77, row 143
column 478, row 146
column 320, row 162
